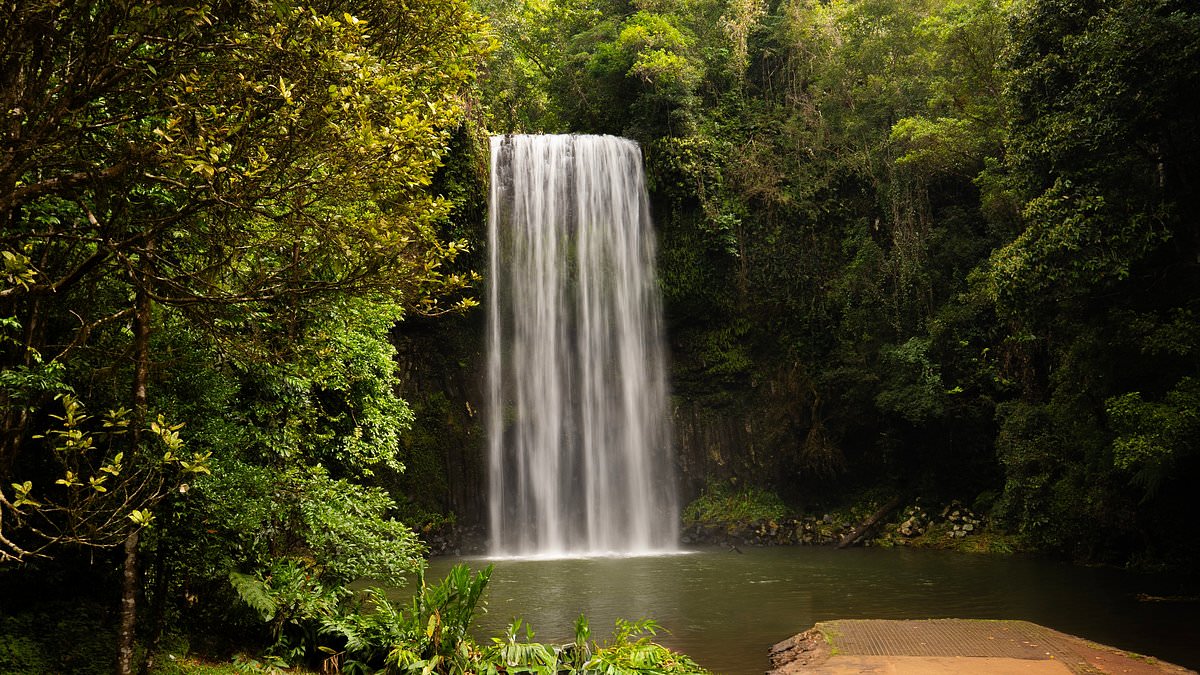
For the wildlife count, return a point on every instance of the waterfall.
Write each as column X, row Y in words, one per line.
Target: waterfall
column 579, row 438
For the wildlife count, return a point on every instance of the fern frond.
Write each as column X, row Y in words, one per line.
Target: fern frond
column 255, row 593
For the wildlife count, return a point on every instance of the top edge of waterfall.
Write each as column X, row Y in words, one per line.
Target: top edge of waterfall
column 599, row 136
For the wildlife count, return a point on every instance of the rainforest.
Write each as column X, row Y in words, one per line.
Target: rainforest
column 927, row 275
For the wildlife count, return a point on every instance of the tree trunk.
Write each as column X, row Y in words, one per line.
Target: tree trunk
column 129, row 589
column 870, row 522
column 130, row 586
column 142, row 318
column 158, row 609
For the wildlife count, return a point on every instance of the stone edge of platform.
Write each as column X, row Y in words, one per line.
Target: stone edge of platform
column 807, row 651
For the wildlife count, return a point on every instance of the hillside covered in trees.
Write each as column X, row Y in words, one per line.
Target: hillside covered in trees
column 946, row 248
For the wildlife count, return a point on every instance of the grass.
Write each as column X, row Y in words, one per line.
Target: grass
column 723, row 504
column 829, row 633
column 987, row 541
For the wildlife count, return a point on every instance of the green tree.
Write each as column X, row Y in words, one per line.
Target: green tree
column 226, row 172
column 1094, row 285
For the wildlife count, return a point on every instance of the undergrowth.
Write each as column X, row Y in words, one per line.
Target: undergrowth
column 722, row 503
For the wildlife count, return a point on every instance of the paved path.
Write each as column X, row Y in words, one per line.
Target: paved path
column 944, row 646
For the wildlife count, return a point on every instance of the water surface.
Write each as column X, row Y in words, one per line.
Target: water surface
column 725, row 608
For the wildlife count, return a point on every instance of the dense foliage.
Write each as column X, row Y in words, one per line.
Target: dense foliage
column 211, row 216
column 945, row 248
column 431, row 635
column 948, row 246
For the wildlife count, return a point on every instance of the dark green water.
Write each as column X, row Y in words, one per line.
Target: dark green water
column 726, row 609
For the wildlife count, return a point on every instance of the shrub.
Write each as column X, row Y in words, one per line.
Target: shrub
column 723, row 504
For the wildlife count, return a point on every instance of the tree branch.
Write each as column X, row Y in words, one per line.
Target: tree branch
column 26, row 193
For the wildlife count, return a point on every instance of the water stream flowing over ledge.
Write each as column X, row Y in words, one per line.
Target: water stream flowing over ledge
column 579, row 437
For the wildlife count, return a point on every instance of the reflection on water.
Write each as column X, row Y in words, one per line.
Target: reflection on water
column 726, row 608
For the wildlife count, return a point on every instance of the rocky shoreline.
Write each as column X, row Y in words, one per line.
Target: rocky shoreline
column 913, row 525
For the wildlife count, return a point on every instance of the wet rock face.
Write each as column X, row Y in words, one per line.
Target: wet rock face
column 455, row 540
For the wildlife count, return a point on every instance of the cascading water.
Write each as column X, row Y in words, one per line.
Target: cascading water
column 579, row 437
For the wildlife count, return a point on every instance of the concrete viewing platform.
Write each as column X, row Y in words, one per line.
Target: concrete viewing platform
column 944, row 646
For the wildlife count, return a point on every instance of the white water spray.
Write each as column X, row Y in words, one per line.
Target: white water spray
column 579, row 436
